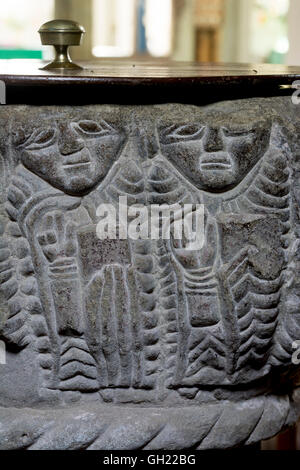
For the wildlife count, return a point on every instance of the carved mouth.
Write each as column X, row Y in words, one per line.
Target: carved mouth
column 216, row 161
column 77, row 165
column 77, row 160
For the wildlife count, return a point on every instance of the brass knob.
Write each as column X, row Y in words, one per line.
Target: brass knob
column 61, row 34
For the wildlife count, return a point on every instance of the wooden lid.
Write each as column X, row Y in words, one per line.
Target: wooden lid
column 129, row 82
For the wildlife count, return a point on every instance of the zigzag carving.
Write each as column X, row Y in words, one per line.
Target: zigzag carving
column 158, row 319
column 143, row 338
column 258, row 300
column 18, row 282
column 192, row 350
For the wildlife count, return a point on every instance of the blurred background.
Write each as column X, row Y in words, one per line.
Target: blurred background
column 185, row 30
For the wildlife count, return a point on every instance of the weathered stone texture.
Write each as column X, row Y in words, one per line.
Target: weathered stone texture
column 143, row 343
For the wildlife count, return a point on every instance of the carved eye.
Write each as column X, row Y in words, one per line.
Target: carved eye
column 44, row 136
column 94, row 128
column 185, row 132
column 40, row 139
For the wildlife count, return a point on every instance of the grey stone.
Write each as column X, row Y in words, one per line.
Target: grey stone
column 145, row 344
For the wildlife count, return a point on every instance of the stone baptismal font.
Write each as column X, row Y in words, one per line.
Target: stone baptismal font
column 145, row 343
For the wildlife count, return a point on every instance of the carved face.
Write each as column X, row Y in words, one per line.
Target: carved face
column 218, row 153
column 71, row 156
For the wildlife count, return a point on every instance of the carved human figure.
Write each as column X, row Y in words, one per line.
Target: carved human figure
column 232, row 285
column 61, row 160
column 87, row 287
column 147, row 316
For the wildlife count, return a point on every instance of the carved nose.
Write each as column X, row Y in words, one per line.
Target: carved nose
column 212, row 140
column 69, row 142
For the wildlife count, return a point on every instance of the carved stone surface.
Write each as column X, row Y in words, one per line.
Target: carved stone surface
column 131, row 344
